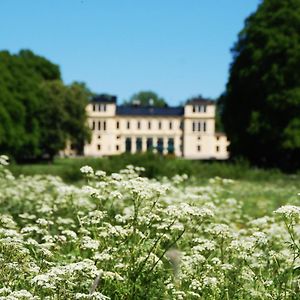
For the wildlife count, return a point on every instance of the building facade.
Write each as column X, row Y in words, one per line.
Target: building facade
column 186, row 131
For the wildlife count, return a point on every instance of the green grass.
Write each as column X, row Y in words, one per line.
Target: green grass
column 261, row 191
column 156, row 166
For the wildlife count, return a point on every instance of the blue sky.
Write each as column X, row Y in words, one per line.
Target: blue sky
column 177, row 48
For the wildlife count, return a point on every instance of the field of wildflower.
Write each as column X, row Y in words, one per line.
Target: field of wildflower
column 124, row 236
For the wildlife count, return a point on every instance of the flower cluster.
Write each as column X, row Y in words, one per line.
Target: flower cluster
column 123, row 236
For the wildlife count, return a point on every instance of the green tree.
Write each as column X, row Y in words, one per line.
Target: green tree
column 38, row 113
column 260, row 108
column 147, row 98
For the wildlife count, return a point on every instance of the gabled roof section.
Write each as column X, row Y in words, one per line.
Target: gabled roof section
column 200, row 100
column 126, row 110
column 104, row 98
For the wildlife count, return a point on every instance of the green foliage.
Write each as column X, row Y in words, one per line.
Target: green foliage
column 147, row 98
column 261, row 105
column 38, row 112
column 62, row 116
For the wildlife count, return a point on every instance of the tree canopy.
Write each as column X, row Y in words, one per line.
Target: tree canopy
column 38, row 113
column 147, row 98
column 260, row 108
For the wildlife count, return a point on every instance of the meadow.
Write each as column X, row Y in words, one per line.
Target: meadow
column 194, row 231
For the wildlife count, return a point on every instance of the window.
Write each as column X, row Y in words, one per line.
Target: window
column 104, row 107
column 217, row 148
column 170, row 145
column 117, row 147
column 160, row 145
column 149, row 125
column 204, row 126
column 138, row 125
column 199, row 138
column 181, row 125
column 170, row 125
column 139, row 145
column 159, row 125
column 99, row 125
column 99, row 137
column 94, row 125
column 218, row 138
column 194, row 108
column 128, row 125
column 118, row 136
column 199, row 148
column 194, row 126
column 94, row 107
column 104, row 125
column 99, row 147
column 204, row 108
column 128, row 145
column 149, row 144
column 199, row 126
column 118, row 124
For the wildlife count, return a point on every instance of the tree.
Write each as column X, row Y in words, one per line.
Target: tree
column 260, row 108
column 62, row 117
column 147, row 98
column 38, row 113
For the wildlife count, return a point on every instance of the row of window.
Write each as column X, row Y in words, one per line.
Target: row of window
column 199, row 148
column 99, row 107
column 199, row 108
column 149, row 145
column 199, row 126
column 150, row 125
column 101, row 125
column 196, row 126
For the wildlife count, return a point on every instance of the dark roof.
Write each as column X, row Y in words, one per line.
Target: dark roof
column 200, row 100
column 104, row 98
column 149, row 111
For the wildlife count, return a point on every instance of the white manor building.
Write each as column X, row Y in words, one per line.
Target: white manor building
column 186, row 131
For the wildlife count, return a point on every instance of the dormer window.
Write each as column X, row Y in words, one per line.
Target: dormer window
column 199, row 108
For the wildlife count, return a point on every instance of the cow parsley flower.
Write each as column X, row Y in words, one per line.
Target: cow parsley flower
column 4, row 160
column 87, row 170
column 288, row 211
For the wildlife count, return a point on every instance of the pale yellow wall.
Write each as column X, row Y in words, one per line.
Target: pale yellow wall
column 222, row 143
column 210, row 111
column 110, row 110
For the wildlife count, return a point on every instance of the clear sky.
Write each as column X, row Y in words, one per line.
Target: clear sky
column 177, row 48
